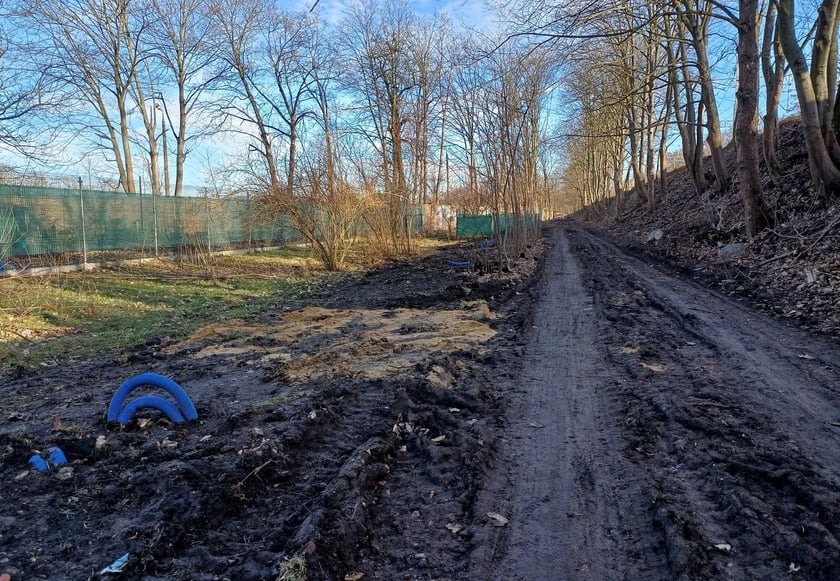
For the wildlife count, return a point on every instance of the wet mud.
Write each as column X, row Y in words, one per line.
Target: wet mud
column 585, row 416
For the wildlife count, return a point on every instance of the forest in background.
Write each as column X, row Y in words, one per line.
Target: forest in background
column 334, row 117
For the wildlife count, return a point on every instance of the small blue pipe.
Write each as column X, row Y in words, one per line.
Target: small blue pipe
column 56, row 456
column 38, row 463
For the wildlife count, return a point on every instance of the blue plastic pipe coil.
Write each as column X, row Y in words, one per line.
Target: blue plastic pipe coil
column 123, row 414
column 150, row 401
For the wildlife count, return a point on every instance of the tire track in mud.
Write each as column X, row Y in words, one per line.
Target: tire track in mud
column 578, row 508
column 732, row 415
column 659, row 430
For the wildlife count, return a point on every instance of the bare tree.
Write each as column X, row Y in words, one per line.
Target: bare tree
column 86, row 44
column 466, row 98
column 773, row 68
column 597, row 136
column 688, row 108
column 376, row 40
column 24, row 91
column 696, row 17
column 815, row 89
column 244, row 88
column 182, row 41
column 746, row 122
column 509, row 144
column 286, row 40
column 427, row 105
column 324, row 207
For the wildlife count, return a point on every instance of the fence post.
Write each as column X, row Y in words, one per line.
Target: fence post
column 207, row 217
column 142, row 222
column 84, row 232
column 154, row 212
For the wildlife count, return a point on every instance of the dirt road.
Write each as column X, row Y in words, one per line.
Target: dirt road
column 661, row 431
column 617, row 422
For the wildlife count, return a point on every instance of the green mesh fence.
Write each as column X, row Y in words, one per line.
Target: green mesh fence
column 38, row 221
column 476, row 226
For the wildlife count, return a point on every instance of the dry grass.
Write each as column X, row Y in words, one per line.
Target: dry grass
column 293, row 569
column 53, row 318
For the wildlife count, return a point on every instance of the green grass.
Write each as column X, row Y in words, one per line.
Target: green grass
column 68, row 317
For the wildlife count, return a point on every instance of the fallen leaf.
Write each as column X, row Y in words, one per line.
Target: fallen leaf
column 439, row 439
column 56, row 422
column 724, row 547
column 455, row 528
column 354, row 576
column 100, row 442
column 656, row 367
column 498, row 520
column 310, row 548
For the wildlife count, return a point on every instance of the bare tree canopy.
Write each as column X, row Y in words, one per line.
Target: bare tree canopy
column 596, row 99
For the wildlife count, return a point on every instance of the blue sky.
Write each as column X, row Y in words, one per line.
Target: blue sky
column 471, row 13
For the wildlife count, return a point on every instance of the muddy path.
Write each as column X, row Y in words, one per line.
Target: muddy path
column 617, row 421
column 661, row 431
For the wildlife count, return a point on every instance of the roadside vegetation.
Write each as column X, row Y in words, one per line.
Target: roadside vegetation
column 52, row 319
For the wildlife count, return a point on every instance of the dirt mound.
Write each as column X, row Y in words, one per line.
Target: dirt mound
column 315, row 343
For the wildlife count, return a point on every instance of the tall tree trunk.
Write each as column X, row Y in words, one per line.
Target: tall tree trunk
column 293, row 139
column 824, row 62
column 714, row 137
column 773, row 68
column 825, row 174
column 693, row 128
column 696, row 21
column 663, row 140
column 746, row 122
column 180, row 142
